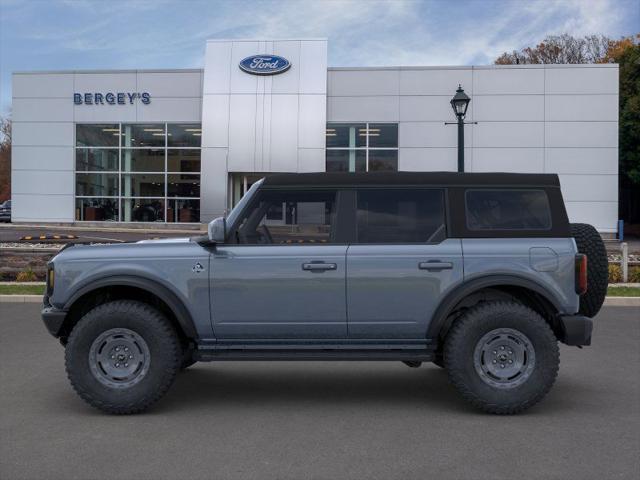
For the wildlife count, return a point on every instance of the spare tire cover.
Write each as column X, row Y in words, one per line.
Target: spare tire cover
column 589, row 242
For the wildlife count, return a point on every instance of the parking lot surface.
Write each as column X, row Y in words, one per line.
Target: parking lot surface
column 333, row 420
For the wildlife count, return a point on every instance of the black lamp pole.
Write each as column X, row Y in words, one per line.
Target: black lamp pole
column 460, row 143
column 460, row 103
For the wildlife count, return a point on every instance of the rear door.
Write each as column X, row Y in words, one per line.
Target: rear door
column 401, row 263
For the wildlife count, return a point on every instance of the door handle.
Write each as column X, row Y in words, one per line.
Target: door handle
column 319, row 266
column 435, row 266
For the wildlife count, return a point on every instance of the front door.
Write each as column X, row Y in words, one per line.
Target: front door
column 282, row 273
column 401, row 264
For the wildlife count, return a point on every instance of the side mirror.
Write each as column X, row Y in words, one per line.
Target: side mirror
column 218, row 230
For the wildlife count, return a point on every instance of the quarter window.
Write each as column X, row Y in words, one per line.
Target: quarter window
column 289, row 218
column 401, row 216
column 507, row 209
column 362, row 147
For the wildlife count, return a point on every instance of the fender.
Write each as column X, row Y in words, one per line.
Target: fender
column 463, row 290
column 176, row 305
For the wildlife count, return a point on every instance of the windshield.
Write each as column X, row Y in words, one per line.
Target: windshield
column 243, row 201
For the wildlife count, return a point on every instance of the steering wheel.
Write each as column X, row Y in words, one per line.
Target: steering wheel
column 264, row 231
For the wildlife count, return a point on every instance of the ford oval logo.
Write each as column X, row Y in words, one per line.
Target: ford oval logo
column 265, row 64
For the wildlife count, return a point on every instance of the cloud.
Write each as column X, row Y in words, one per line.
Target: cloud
column 171, row 34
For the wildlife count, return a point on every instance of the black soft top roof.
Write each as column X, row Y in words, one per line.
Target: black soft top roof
column 413, row 178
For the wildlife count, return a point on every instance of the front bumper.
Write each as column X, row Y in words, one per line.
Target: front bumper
column 575, row 330
column 53, row 319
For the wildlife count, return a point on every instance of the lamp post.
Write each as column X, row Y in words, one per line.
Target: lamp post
column 460, row 103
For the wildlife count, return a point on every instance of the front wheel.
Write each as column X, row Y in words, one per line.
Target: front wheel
column 502, row 357
column 122, row 356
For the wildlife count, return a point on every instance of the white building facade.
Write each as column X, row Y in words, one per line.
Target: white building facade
column 182, row 146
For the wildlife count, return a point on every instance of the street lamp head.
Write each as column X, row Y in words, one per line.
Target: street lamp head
column 460, row 102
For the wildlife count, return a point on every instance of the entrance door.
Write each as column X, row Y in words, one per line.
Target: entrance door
column 401, row 264
column 282, row 274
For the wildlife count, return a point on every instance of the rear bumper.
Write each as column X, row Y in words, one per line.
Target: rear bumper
column 575, row 330
column 53, row 320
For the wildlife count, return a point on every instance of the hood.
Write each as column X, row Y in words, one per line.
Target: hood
column 166, row 240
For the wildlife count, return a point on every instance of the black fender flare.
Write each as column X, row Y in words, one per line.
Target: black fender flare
column 176, row 305
column 439, row 319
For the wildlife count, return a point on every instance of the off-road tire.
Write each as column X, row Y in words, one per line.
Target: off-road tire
column 589, row 242
column 470, row 328
column 165, row 356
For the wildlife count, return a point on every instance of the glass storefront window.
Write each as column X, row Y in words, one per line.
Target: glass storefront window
column 138, row 172
column 96, row 209
column 179, row 185
column 346, row 135
column 184, row 135
column 183, row 161
column 96, row 159
column 142, row 185
column 361, row 147
column 383, row 135
column 96, row 184
column 143, row 209
column 346, row 161
column 383, row 160
column 143, row 135
column 183, row 211
column 97, row 135
column 143, row 160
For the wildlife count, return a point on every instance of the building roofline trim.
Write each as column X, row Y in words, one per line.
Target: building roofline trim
column 479, row 67
column 108, row 71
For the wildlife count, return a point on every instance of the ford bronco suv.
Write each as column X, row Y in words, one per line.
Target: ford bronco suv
column 480, row 273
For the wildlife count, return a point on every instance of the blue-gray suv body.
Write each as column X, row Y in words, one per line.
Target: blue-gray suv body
column 480, row 273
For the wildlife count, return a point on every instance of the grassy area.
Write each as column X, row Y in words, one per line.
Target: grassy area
column 623, row 292
column 21, row 289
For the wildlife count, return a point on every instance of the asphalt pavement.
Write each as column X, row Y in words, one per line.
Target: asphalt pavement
column 320, row 420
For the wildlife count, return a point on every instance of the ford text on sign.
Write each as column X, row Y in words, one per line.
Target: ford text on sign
column 265, row 64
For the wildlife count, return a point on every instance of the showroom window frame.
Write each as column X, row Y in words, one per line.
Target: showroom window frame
column 366, row 148
column 121, row 198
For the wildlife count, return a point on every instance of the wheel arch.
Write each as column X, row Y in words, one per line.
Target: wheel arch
column 130, row 287
column 527, row 291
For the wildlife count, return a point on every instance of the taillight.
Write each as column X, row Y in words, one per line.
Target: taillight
column 581, row 274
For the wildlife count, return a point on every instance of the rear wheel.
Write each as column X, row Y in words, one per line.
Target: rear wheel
column 502, row 357
column 122, row 356
column 589, row 242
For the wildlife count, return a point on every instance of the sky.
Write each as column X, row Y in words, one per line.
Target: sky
column 129, row 34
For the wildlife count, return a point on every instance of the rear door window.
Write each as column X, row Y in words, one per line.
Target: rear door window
column 507, row 209
column 400, row 216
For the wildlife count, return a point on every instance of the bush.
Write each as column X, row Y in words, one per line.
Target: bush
column 27, row 275
column 615, row 273
column 634, row 274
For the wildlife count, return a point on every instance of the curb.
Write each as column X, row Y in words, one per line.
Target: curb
column 622, row 302
column 198, row 228
column 20, row 298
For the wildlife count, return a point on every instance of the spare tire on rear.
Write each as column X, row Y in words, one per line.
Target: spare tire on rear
column 589, row 242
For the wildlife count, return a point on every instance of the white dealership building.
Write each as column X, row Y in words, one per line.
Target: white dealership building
column 181, row 146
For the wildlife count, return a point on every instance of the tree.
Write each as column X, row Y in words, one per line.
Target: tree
column 600, row 49
column 560, row 49
column 5, row 159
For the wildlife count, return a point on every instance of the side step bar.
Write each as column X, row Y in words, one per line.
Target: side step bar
column 211, row 355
